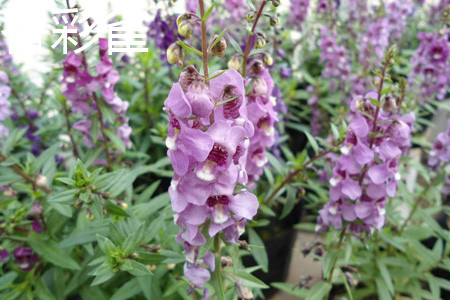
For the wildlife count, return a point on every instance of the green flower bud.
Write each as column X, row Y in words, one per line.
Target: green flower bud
column 175, row 54
column 250, row 17
column 185, row 28
column 267, row 59
column 276, row 3
column 234, row 63
column 260, row 42
column 89, row 216
column 274, row 20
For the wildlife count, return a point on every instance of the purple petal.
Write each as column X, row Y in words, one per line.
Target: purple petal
column 244, row 205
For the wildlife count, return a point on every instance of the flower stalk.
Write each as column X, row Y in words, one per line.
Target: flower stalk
column 250, row 39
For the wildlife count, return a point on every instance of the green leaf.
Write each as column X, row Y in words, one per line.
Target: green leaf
column 116, row 140
column 386, row 277
column 290, row 202
column 49, row 251
column 374, row 102
column 7, row 279
column 135, row 268
column 234, row 44
column 65, row 197
column 319, row 291
column 208, row 12
column 66, row 180
column 248, row 279
column 115, row 209
column 259, row 253
column 291, row 289
column 216, row 279
column 382, row 289
column 129, row 289
column 133, row 241
column 103, row 274
column 106, row 245
column 189, row 48
column 42, row 292
column 85, row 235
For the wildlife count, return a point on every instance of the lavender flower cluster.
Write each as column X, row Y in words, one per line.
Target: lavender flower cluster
column 367, row 173
column 337, row 67
column 5, row 111
column 262, row 113
column 431, row 66
column 374, row 42
column 81, row 88
column 440, row 155
column 397, row 13
column 208, row 142
column 298, row 13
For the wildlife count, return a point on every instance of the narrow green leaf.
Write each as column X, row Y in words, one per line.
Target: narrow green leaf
column 189, row 48
column 259, row 254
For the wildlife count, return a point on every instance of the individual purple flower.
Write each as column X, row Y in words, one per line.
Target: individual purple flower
column 366, row 173
column 25, row 258
column 285, row 72
column 3, row 255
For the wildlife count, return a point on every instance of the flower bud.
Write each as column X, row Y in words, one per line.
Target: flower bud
column 171, row 266
column 122, row 204
column 256, row 67
column 234, row 63
column 276, row 3
column 219, row 48
column 226, row 261
column 78, row 204
column 260, row 42
column 89, row 215
column 175, row 54
column 242, row 292
column 151, row 267
column 37, row 208
column 186, row 28
column 274, row 21
column 41, row 180
column 9, row 192
column 250, row 17
column 267, row 59
column 187, row 77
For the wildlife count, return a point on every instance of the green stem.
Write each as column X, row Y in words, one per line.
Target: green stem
column 333, row 267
